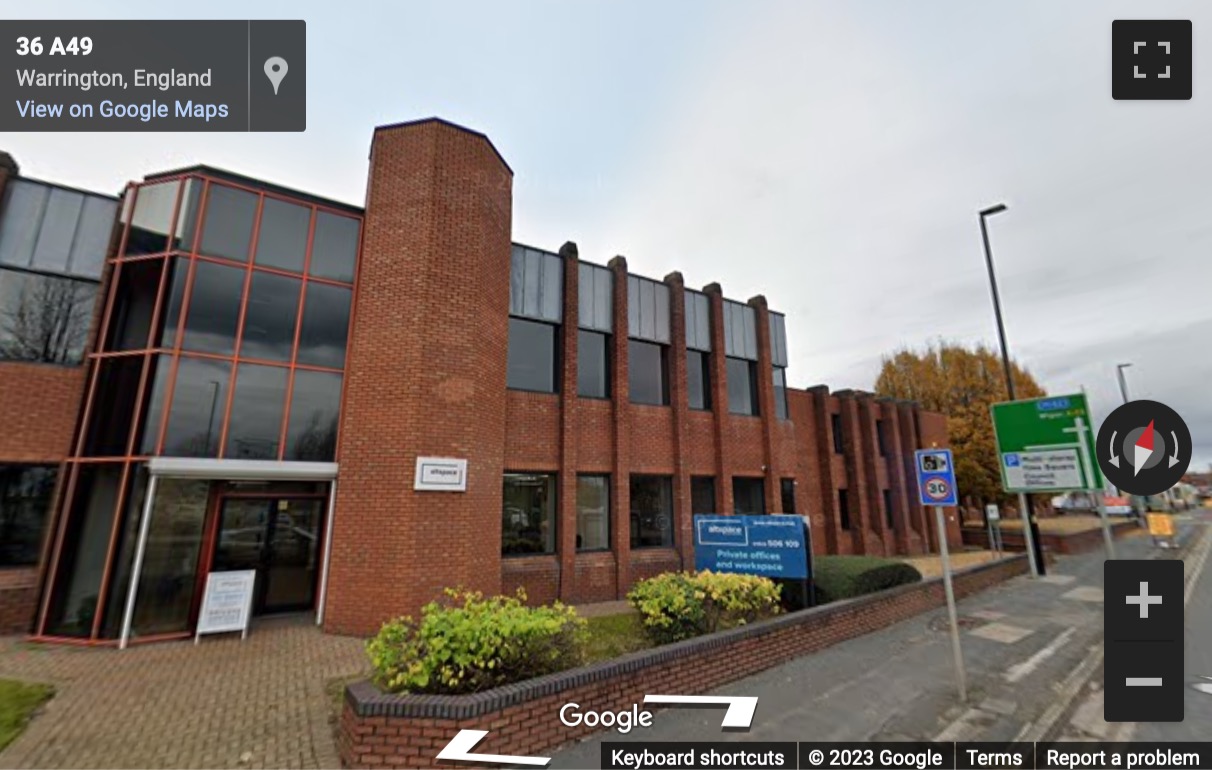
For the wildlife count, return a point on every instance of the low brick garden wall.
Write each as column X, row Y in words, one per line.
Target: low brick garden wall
column 1074, row 542
column 379, row 729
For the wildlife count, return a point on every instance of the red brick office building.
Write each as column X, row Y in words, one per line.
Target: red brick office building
column 211, row 372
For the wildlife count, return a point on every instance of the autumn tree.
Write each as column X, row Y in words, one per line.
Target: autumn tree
column 960, row 383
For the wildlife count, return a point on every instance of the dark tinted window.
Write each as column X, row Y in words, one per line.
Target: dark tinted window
column 44, row 318
column 195, row 420
column 742, row 386
column 843, row 508
column 593, row 364
column 315, row 403
column 228, row 227
column 889, row 520
column 214, row 308
column 153, row 410
column 780, row 393
column 881, row 437
column 282, row 236
column 532, row 356
column 170, row 314
column 73, row 605
column 835, row 422
column 335, row 248
column 748, row 496
column 528, row 513
column 152, row 220
column 702, row 494
column 255, row 427
column 698, row 379
column 325, row 325
column 25, row 499
column 113, row 406
column 593, row 513
column 651, row 511
column 130, row 319
column 269, row 320
column 787, row 493
column 646, row 371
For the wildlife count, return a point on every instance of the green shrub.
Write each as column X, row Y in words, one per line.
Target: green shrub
column 844, row 577
column 470, row 643
column 681, row 605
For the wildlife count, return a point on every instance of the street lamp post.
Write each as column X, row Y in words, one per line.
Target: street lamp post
column 1030, row 528
column 1123, row 382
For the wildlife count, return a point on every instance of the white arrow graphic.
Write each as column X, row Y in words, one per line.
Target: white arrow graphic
column 1205, row 688
column 1174, row 457
column 740, row 707
column 1114, row 457
column 464, row 741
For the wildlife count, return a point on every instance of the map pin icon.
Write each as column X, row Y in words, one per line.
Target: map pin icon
column 275, row 70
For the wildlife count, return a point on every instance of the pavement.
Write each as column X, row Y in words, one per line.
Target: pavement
column 263, row 702
column 1030, row 648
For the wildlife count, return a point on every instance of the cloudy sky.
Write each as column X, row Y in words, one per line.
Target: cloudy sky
column 831, row 155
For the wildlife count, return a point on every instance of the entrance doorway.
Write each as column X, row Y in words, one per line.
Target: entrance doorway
column 279, row 537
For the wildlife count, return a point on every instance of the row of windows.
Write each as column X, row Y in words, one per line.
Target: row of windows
column 843, row 509
column 44, row 318
column 839, row 443
column 533, row 364
column 529, row 505
column 25, row 499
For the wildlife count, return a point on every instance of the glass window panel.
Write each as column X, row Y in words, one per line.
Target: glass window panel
column 20, row 220
column 334, row 251
column 698, row 379
column 187, row 217
column 128, row 539
column 552, row 299
column 270, row 318
column 648, row 380
column 603, row 300
column 93, row 237
column 702, row 494
column 633, row 306
column 593, row 513
column 586, row 296
column 530, row 285
column 742, row 387
column 282, row 237
column 255, row 427
column 25, row 498
column 167, row 581
column 532, row 356
column 787, row 493
column 153, row 412
column 170, row 315
column 325, row 330
column 227, row 231
column 839, row 444
column 152, row 221
column 747, row 315
column 214, row 308
column 44, row 318
column 748, row 496
column 651, row 511
column 843, row 508
column 528, row 523
column 134, row 301
column 698, row 321
column 195, row 419
column 881, row 437
column 517, row 281
column 648, row 310
column 315, row 405
column 889, row 519
column 85, row 547
column 780, row 393
column 593, row 364
column 58, row 231
column 778, row 339
column 113, row 407
column 661, row 329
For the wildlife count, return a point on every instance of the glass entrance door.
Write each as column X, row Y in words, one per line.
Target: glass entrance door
column 279, row 537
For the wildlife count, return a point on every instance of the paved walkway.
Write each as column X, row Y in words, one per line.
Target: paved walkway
column 263, row 702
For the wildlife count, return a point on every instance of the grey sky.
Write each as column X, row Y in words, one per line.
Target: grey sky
column 831, row 155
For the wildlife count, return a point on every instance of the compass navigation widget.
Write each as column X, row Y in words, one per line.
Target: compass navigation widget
column 1144, row 447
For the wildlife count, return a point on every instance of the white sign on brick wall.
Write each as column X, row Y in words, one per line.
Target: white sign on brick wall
column 440, row 474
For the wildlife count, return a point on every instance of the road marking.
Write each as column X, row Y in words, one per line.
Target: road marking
column 1017, row 672
column 1002, row 632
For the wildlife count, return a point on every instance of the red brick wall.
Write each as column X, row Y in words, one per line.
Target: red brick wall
column 407, row 731
column 38, row 410
column 18, row 599
column 425, row 376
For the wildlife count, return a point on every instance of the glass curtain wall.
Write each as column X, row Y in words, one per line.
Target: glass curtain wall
column 223, row 336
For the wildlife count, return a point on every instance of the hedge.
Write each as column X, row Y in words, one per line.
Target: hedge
column 845, row 577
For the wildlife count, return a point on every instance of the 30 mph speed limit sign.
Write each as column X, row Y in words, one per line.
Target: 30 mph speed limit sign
column 935, row 477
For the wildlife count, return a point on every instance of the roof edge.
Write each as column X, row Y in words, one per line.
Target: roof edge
column 451, row 124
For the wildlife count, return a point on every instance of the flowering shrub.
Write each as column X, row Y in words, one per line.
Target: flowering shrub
column 681, row 605
column 470, row 643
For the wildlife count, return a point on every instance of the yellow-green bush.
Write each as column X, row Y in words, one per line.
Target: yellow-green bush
column 680, row 605
column 470, row 643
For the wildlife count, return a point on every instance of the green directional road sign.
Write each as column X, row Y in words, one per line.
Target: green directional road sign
column 1046, row 445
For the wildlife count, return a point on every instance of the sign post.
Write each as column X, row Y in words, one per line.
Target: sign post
column 227, row 603
column 1047, row 445
column 936, row 489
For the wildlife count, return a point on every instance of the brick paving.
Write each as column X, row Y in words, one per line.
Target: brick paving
column 259, row 703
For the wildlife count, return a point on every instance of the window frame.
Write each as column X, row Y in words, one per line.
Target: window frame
column 553, row 514
column 666, row 496
column 786, row 489
column 605, row 478
column 663, row 352
column 843, row 509
column 782, row 408
column 752, row 384
column 52, row 474
column 555, row 329
column 606, row 361
column 80, row 353
column 705, row 372
column 752, row 482
column 889, row 519
column 839, row 439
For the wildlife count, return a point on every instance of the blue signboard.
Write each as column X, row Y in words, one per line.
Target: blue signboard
column 773, row 546
column 935, row 477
